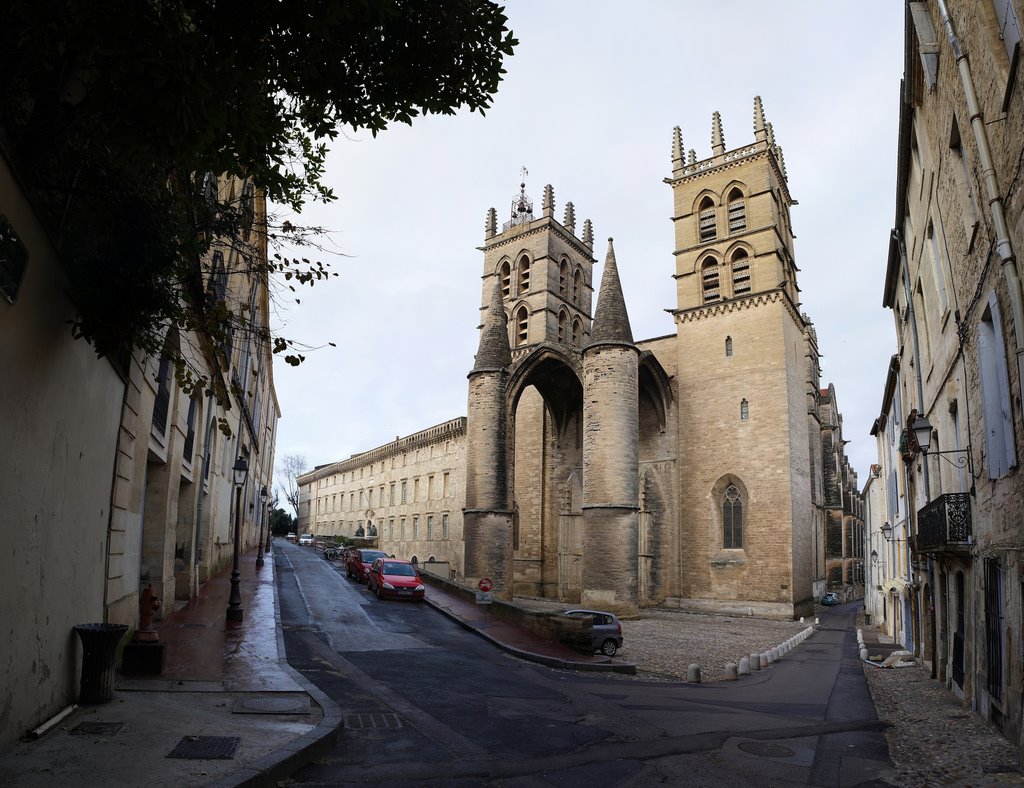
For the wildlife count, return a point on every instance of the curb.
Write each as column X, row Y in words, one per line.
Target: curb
column 268, row 771
column 628, row 668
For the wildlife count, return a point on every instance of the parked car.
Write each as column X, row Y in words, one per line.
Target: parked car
column 830, row 598
column 358, row 563
column 395, row 579
column 306, row 540
column 292, row 537
column 607, row 631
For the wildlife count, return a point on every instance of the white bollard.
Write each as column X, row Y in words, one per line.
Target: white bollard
column 766, row 658
column 730, row 671
column 755, row 661
column 693, row 674
column 801, row 619
column 744, row 667
column 816, row 621
column 863, row 653
column 776, row 656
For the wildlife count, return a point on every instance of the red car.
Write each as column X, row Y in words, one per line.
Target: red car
column 358, row 563
column 394, row 578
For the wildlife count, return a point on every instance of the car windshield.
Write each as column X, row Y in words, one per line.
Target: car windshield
column 395, row 568
column 369, row 556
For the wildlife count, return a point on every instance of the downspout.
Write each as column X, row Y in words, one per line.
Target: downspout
column 203, row 475
column 1004, row 247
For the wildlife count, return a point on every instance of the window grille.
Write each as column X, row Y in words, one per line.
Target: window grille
column 522, row 326
column 506, row 280
column 444, row 526
column 563, row 278
column 708, row 232
column 732, row 519
column 737, row 212
column 744, row 410
column 728, row 346
column 524, row 274
column 709, row 275
column 740, row 273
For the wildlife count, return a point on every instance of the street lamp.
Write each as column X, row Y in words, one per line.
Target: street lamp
column 241, row 471
column 886, row 530
column 922, row 429
column 263, row 516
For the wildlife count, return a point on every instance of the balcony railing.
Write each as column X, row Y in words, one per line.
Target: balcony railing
column 944, row 525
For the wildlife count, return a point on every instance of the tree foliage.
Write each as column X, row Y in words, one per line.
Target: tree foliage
column 115, row 113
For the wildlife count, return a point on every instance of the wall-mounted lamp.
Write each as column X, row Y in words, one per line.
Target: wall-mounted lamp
column 922, row 429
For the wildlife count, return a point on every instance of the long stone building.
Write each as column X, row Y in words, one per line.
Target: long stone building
column 683, row 470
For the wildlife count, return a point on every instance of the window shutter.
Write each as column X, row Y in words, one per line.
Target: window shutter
column 927, row 41
column 1009, row 28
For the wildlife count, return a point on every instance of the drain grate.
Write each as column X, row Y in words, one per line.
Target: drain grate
column 764, row 749
column 366, row 722
column 269, row 704
column 97, row 728
column 206, row 748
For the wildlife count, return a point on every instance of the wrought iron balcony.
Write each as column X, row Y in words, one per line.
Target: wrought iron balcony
column 944, row 525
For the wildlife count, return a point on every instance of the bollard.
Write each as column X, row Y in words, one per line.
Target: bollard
column 755, row 661
column 744, row 667
column 863, row 653
column 730, row 671
column 816, row 621
column 693, row 674
column 801, row 619
column 768, row 658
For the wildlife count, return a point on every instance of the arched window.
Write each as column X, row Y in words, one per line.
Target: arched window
column 506, row 279
column 709, row 281
column 563, row 325
column 708, row 230
column 737, row 212
column 563, row 278
column 577, row 333
column 728, row 346
column 522, row 325
column 740, row 272
column 744, row 410
column 577, row 287
column 732, row 519
column 524, row 274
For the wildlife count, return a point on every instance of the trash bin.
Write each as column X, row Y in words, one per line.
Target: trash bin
column 99, row 648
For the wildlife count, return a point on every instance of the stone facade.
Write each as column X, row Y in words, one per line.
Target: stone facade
column 407, row 493
column 121, row 481
column 953, row 283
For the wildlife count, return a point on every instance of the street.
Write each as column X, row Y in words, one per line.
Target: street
column 429, row 703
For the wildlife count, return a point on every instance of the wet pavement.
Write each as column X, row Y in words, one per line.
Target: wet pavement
column 221, row 683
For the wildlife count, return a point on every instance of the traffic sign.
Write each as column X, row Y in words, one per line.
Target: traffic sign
column 485, row 584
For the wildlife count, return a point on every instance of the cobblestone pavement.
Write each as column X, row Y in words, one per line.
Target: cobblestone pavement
column 934, row 738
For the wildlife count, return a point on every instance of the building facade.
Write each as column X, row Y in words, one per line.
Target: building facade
column 951, row 415
column 121, row 480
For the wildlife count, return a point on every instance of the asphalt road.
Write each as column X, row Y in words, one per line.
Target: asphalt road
column 429, row 704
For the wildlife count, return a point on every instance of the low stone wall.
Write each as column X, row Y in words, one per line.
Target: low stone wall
column 573, row 632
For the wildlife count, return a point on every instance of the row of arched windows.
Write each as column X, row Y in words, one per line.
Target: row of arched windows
column 568, row 331
column 570, row 283
column 522, row 277
column 707, row 215
column 739, row 278
column 570, row 280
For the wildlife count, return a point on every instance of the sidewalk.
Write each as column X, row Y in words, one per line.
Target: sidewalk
column 219, row 685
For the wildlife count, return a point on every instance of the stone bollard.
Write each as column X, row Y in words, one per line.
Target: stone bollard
column 755, row 661
column 744, row 666
column 776, row 654
column 693, row 673
column 766, row 658
column 816, row 621
column 801, row 619
column 863, row 653
column 730, row 671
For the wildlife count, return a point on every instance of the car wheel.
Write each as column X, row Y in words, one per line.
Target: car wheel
column 609, row 647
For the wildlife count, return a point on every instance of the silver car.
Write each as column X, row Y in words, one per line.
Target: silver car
column 607, row 631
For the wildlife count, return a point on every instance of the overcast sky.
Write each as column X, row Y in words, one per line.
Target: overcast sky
column 588, row 104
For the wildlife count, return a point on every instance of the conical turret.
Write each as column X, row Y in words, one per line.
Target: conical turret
column 494, row 351
column 611, row 321
column 760, row 130
column 717, row 137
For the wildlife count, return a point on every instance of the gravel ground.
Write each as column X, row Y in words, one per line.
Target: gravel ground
column 934, row 740
column 664, row 643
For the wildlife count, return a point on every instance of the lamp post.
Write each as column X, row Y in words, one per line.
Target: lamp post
column 263, row 516
column 241, row 471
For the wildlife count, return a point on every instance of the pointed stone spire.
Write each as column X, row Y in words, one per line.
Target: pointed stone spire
column 547, row 205
column 611, row 322
column 677, row 151
column 588, row 234
column 569, row 222
column 491, row 224
column 760, row 132
column 770, row 134
column 782, row 161
column 494, row 351
column 717, row 137
column 693, row 156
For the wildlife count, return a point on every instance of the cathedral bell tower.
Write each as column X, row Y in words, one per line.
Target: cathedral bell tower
column 742, row 375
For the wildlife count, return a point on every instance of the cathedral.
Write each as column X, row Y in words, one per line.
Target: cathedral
column 683, row 471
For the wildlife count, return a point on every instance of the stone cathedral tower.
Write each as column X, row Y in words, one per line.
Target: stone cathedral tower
column 747, row 515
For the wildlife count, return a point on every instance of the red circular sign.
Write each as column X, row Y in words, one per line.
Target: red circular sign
column 486, row 584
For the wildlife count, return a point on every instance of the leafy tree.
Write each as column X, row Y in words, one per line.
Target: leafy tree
column 289, row 469
column 117, row 112
column 281, row 523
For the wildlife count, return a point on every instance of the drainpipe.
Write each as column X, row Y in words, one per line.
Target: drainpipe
column 1004, row 247
column 204, row 471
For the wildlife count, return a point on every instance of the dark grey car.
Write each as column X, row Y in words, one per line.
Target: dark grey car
column 607, row 630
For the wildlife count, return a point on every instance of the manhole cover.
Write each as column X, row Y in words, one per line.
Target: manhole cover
column 207, row 748
column 288, row 704
column 97, row 728
column 764, row 749
column 366, row 722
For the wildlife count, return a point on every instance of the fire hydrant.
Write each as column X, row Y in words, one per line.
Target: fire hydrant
column 149, row 603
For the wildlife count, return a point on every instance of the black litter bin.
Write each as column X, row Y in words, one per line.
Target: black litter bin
column 99, row 648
